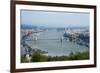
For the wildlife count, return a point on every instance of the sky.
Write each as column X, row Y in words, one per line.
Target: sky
column 55, row 19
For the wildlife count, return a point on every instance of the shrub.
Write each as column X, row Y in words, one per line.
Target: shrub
column 38, row 57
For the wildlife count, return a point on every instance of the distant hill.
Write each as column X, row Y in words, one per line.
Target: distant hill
column 30, row 26
column 27, row 26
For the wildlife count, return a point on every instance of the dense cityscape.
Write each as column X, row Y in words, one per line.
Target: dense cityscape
column 77, row 35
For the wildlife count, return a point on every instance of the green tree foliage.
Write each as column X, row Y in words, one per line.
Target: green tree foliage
column 38, row 57
column 79, row 56
column 24, row 59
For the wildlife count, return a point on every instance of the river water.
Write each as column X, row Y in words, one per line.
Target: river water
column 50, row 41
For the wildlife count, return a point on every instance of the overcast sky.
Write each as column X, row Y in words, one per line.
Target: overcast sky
column 54, row 19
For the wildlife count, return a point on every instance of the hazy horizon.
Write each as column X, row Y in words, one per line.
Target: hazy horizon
column 54, row 19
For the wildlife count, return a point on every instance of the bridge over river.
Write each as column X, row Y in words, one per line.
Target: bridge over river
column 51, row 42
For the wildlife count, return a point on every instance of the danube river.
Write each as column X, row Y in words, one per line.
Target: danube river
column 53, row 42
